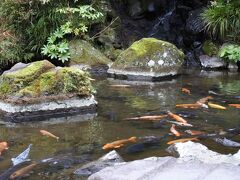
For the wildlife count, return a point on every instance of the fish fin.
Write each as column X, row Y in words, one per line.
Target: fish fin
column 133, row 139
column 118, row 146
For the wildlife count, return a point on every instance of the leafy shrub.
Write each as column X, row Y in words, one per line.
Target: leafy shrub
column 230, row 52
column 78, row 20
column 222, row 19
column 32, row 22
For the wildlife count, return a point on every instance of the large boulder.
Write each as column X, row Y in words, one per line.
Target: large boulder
column 195, row 162
column 83, row 54
column 148, row 59
column 40, row 86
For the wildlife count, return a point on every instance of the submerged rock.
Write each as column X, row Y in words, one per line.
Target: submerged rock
column 107, row 160
column 40, row 86
column 148, row 59
column 86, row 56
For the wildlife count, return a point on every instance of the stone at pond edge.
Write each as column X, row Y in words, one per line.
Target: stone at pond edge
column 210, row 48
column 208, row 62
column 147, row 59
column 109, row 159
column 40, row 86
column 195, row 162
column 83, row 53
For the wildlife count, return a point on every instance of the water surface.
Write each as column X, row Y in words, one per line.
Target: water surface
column 81, row 137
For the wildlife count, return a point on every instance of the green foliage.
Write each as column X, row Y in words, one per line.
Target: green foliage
column 230, row 52
column 78, row 20
column 32, row 22
column 210, row 48
column 222, row 19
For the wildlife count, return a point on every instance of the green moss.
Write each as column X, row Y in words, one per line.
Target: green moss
column 83, row 52
column 15, row 81
column 46, row 81
column 210, row 48
column 5, row 88
column 140, row 52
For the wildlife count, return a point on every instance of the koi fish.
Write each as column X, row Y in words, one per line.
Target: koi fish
column 176, row 117
column 23, row 171
column 151, row 118
column 183, row 140
column 181, row 124
column 216, row 106
column 119, row 143
column 204, row 100
column 191, row 106
column 227, row 142
column 119, row 85
column 48, row 134
column 186, row 91
column 234, row 105
column 3, row 146
column 174, row 131
column 193, row 132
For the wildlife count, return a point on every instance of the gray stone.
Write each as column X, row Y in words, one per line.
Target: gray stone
column 233, row 67
column 41, row 87
column 212, row 62
column 196, row 151
column 84, row 54
column 148, row 59
column 196, row 162
column 167, row 168
column 105, row 161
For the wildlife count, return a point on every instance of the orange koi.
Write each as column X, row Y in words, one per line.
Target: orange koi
column 194, row 133
column 3, row 146
column 186, row 91
column 191, row 106
column 204, row 100
column 174, row 131
column 183, row 140
column 23, row 171
column 48, row 134
column 119, row 143
column 151, row 118
column 234, row 105
column 177, row 118
column 216, row 106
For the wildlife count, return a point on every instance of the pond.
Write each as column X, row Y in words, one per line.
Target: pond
column 82, row 137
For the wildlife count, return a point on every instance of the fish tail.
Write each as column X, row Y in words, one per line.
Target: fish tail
column 133, row 139
column 57, row 138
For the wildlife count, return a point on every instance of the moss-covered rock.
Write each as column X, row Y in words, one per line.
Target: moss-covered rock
column 149, row 57
column 14, row 80
column 210, row 48
column 83, row 52
column 42, row 79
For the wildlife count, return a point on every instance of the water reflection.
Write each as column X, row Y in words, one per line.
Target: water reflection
column 85, row 135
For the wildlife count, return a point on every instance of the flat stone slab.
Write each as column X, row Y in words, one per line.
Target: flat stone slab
column 197, row 151
column 45, row 110
column 156, row 168
column 195, row 162
column 51, row 105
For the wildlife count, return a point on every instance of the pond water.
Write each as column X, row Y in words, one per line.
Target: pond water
column 81, row 140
